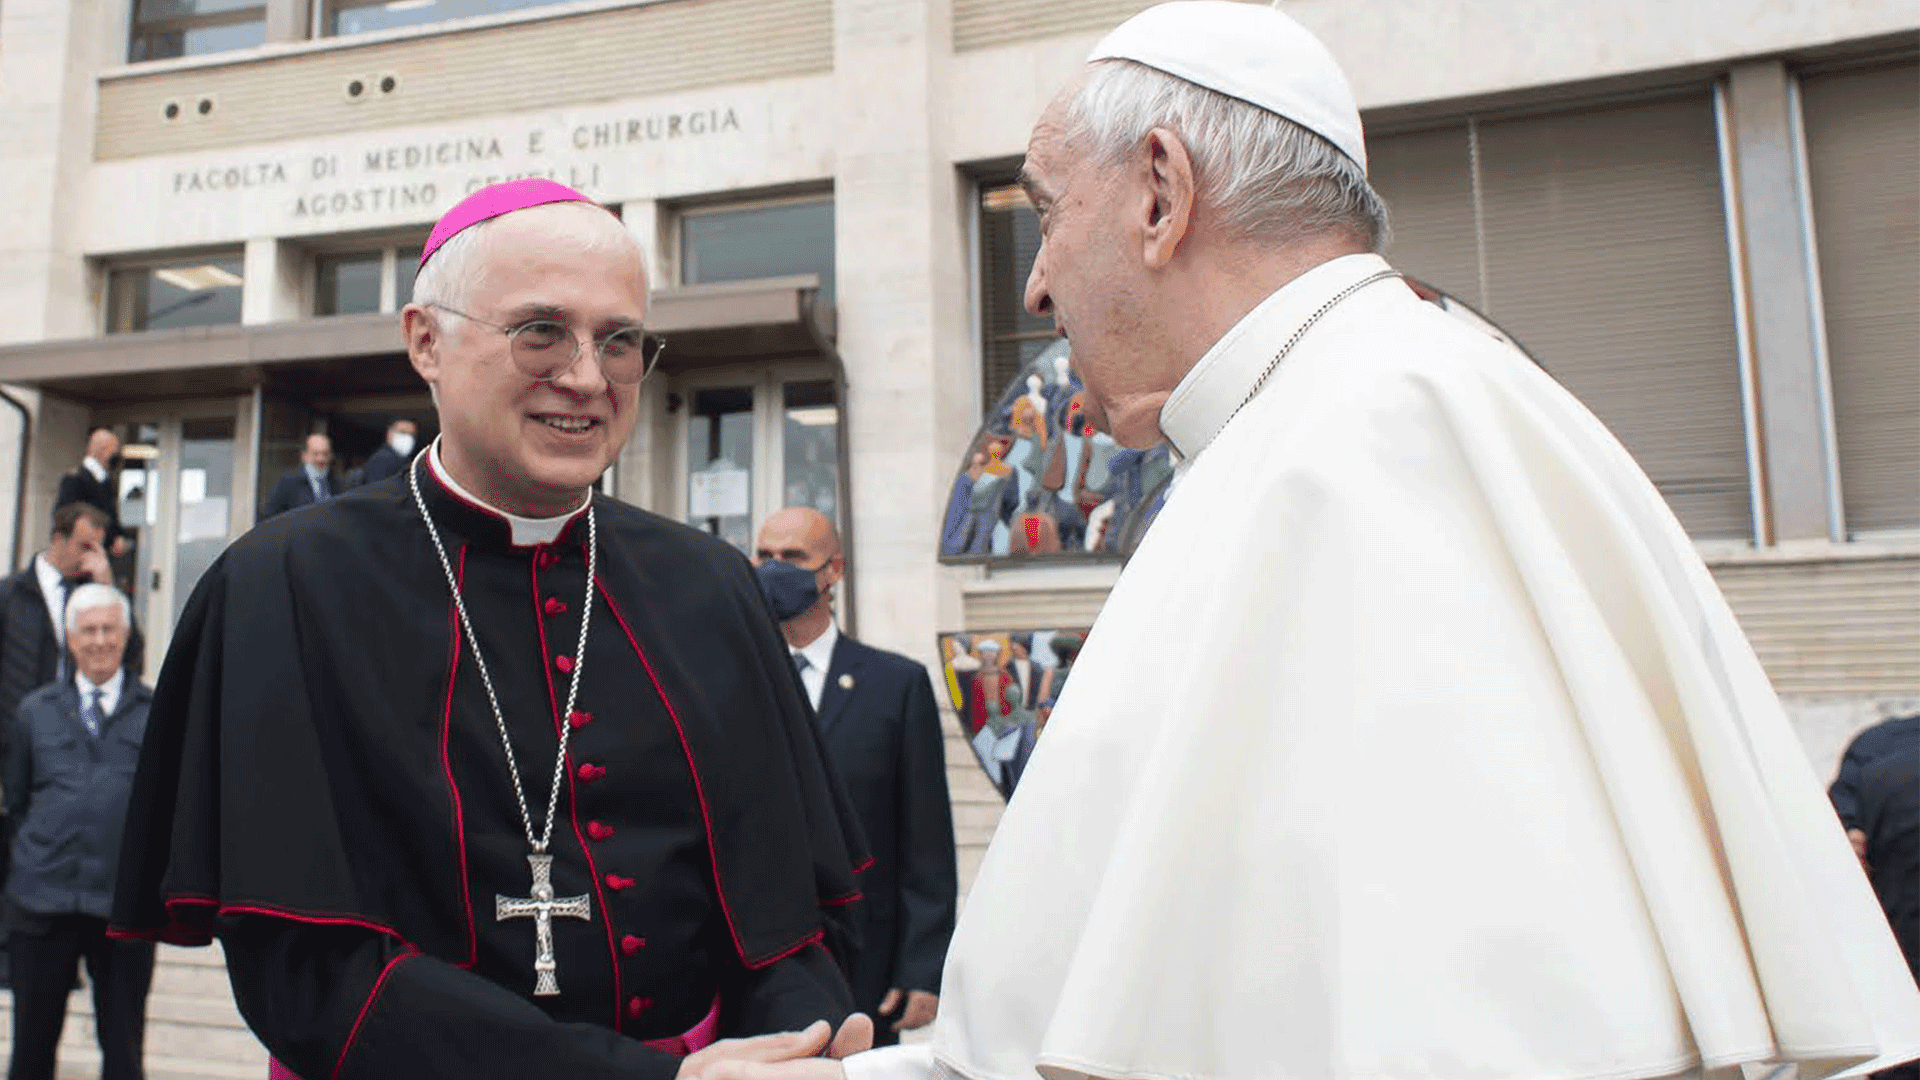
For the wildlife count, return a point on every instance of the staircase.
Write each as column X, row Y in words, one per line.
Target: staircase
column 193, row 1030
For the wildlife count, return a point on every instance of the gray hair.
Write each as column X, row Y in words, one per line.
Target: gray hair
column 1268, row 177
column 459, row 265
column 95, row 595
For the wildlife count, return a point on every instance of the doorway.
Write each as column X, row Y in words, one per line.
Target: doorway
column 181, row 486
column 750, row 441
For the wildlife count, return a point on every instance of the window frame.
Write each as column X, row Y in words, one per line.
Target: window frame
column 110, row 268
column 389, row 246
column 675, row 254
column 138, row 28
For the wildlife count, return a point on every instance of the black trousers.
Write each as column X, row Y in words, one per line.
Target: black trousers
column 46, row 951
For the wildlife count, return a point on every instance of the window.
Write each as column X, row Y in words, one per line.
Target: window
column 363, row 282
column 1009, row 241
column 184, row 292
column 773, row 240
column 163, row 29
column 361, row 16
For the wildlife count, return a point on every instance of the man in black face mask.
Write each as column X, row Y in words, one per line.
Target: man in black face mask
column 882, row 731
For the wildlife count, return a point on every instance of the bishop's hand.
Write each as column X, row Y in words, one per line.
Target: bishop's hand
column 787, row 1056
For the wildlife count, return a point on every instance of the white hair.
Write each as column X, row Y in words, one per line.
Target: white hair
column 1266, row 176
column 459, row 265
column 95, row 595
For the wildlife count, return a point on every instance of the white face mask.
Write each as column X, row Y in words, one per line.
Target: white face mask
column 401, row 442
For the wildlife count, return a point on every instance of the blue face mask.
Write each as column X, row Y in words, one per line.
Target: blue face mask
column 790, row 590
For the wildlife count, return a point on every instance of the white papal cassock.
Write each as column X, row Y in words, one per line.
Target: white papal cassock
column 1415, row 743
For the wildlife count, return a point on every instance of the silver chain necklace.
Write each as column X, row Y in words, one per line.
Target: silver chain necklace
column 1274, row 364
column 541, row 906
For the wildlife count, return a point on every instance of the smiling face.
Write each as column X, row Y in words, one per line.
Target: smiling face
column 531, row 446
column 98, row 638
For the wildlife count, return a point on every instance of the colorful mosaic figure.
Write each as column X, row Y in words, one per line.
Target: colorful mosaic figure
column 1002, row 686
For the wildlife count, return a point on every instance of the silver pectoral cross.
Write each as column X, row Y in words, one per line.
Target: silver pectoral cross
column 542, row 907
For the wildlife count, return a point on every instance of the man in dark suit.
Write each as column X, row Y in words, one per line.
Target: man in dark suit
column 393, row 454
column 313, row 482
column 882, row 733
column 69, row 774
column 90, row 482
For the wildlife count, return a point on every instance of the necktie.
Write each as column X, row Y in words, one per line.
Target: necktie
column 91, row 714
column 801, row 664
column 319, row 489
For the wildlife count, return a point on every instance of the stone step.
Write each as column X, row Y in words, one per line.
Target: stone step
column 166, row 1038
column 83, row 1063
column 194, row 1031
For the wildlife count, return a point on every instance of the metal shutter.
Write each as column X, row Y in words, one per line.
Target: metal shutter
column 1863, row 165
column 1426, row 179
column 1606, row 253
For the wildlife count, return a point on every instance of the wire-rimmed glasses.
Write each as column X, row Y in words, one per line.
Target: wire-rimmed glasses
column 547, row 349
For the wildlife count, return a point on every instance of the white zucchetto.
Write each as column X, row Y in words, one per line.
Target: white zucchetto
column 1255, row 54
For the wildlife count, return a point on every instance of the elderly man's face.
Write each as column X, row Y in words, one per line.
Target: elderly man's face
column 535, row 446
column 98, row 638
column 319, row 452
column 1087, row 275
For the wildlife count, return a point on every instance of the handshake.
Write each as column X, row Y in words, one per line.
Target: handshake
column 792, row 1055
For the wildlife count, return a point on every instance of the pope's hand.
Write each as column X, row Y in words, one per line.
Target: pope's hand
column 787, row 1056
column 1859, row 841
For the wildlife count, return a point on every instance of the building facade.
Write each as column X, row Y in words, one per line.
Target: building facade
column 1703, row 218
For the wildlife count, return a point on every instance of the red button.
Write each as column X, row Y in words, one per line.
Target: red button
column 618, row 883
column 632, row 945
column 564, row 663
column 636, row 1006
column 591, row 772
column 599, row 831
column 577, row 719
column 548, row 560
column 554, row 606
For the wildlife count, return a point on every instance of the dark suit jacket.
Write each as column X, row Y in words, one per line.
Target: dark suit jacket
column 80, row 486
column 883, row 734
column 293, row 492
column 382, row 464
column 66, row 792
column 30, row 654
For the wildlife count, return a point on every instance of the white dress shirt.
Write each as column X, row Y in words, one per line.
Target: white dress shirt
column 98, row 470
column 819, row 654
column 109, row 691
column 54, row 588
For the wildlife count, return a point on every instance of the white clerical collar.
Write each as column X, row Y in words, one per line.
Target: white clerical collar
column 109, row 690
column 98, row 470
column 819, row 651
column 1218, row 385
column 526, row 531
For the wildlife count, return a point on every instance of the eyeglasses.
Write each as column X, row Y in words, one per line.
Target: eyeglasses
column 545, row 349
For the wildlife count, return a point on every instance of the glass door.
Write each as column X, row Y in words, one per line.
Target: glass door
column 755, row 441
column 176, row 489
column 204, row 511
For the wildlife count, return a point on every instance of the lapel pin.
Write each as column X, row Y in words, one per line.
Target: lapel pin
column 846, row 682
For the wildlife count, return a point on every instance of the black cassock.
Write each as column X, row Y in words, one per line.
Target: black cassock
column 323, row 788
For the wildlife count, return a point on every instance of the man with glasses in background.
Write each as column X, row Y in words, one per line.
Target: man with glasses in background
column 477, row 773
